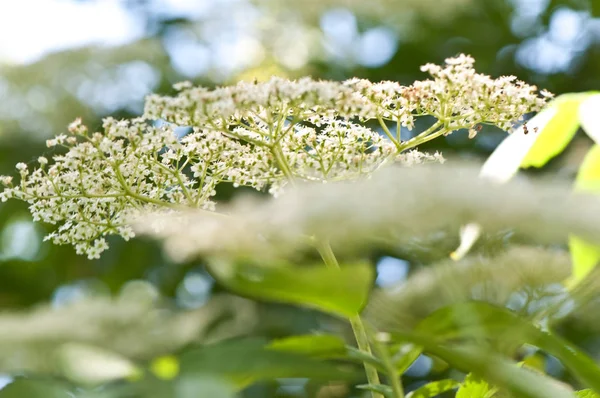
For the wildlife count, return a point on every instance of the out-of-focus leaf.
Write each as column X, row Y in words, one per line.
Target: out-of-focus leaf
column 247, row 361
column 588, row 176
column 482, row 320
column 30, row 388
column 360, row 357
column 384, row 390
column 585, row 255
column 492, row 367
column 434, row 389
column 475, row 387
column 86, row 364
column 554, row 137
column 318, row 345
column 537, row 362
column 203, row 387
column 341, row 291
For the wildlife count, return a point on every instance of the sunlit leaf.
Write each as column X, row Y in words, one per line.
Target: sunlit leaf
column 555, row 135
column 434, row 389
column 475, row 387
column 341, row 291
column 590, row 118
column 587, row 394
column 506, row 159
column 321, row 346
column 585, row 255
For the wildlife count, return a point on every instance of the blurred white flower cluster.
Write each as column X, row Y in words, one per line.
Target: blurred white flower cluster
column 260, row 135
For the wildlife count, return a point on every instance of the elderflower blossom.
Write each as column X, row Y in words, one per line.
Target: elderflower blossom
column 260, row 135
column 457, row 96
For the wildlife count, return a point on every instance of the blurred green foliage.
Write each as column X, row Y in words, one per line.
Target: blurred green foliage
column 552, row 43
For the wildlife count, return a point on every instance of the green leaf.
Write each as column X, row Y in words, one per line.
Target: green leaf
column 246, row 361
column 475, row 387
column 361, row 357
column 340, row 291
column 585, row 255
column 318, row 345
column 384, row 390
column 492, row 367
column 35, row 388
column 555, row 135
column 586, row 394
column 434, row 388
column 482, row 320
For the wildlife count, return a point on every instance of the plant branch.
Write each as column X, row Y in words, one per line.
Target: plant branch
column 388, row 365
column 360, row 333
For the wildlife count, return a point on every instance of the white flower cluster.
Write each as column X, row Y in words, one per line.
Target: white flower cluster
column 457, row 96
column 260, row 135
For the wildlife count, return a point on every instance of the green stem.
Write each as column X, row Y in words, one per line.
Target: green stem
column 389, row 134
column 362, row 340
column 425, row 136
column 388, row 366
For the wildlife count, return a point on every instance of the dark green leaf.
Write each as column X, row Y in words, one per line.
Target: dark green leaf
column 341, row 291
column 30, row 388
column 247, row 361
column 434, row 388
column 321, row 346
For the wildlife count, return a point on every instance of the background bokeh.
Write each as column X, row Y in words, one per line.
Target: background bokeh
column 62, row 59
